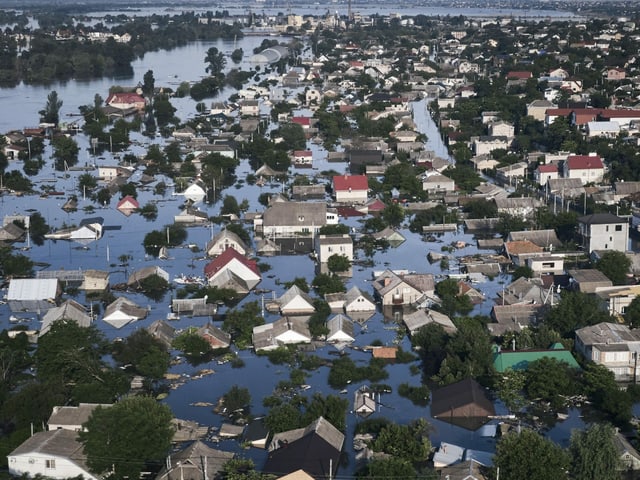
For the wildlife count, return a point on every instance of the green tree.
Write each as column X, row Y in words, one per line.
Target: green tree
column 144, row 354
column 594, row 454
column 575, row 310
column 393, row 214
column 125, row 437
column 87, row 182
column 191, row 344
column 509, row 387
column 338, row 263
column 230, row 206
column 615, row 265
column 65, row 152
column 51, row 111
column 550, row 380
column 529, row 455
column 239, row 323
column 324, row 283
column 410, row 442
column 632, row 314
column 215, row 61
column 148, row 85
column 236, row 398
column 390, row 467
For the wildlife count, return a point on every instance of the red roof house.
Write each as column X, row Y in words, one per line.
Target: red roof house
column 127, row 205
column 126, row 100
column 233, row 270
column 588, row 168
column 351, row 188
column 304, row 122
column 519, row 75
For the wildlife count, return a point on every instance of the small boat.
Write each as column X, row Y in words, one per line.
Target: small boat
column 173, row 316
column 344, row 391
column 163, row 254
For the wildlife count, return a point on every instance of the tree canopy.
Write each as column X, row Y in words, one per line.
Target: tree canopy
column 128, row 435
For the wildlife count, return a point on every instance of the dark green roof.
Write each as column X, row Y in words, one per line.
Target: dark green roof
column 520, row 359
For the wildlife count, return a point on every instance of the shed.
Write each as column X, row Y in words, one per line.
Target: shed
column 463, row 403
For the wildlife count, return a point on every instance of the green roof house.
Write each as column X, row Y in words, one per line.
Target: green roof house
column 520, row 359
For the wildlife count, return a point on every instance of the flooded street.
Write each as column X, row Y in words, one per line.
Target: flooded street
column 124, row 235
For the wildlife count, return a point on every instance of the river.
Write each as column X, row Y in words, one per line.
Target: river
column 20, row 108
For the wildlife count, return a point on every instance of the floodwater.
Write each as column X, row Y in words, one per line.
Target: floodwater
column 259, row 375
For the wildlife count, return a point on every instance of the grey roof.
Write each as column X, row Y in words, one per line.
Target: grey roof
column 517, row 202
column 338, row 239
column 589, row 275
column 146, row 272
column 606, row 333
column 73, row 416
column 11, row 232
column 162, row 331
column 227, row 234
column 626, row 188
column 127, row 306
column 422, row 282
column 62, row 443
column 353, row 294
column 69, row 310
column 542, row 238
column 295, row 213
column 340, row 323
column 320, row 427
column 293, row 292
column 601, row 219
column 418, row 319
column 32, row 289
column 189, row 463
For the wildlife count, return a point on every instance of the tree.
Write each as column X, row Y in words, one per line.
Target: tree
column 51, row 112
column 230, row 206
column 575, row 310
column 550, row 380
column 390, row 467
column 615, row 265
column 236, row 398
column 148, row 85
column 144, row 353
column 632, row 314
column 240, row 323
column 87, row 182
column 529, row 455
column 594, row 454
column 410, row 442
column 393, row 214
column 191, row 344
column 324, row 283
column 338, row 263
column 215, row 60
column 65, row 152
column 125, row 437
column 509, row 387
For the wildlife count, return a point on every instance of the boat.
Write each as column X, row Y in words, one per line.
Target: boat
column 183, row 279
column 163, row 254
column 173, row 316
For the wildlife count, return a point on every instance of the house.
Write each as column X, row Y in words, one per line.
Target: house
column 139, row 276
column 123, row 311
column 364, row 402
column 214, row 336
column 224, row 240
column 256, row 433
column 544, row 264
column 315, row 449
column 476, row 297
column 337, row 244
column 11, row 233
column 513, row 318
column 538, row 108
column 615, row 74
column 233, row 270
column 303, row 158
column 629, row 456
column 108, row 173
column 434, row 182
column 402, row 288
column 32, row 294
column 501, row 129
column 463, row 403
column 350, row 188
column 95, row 281
column 195, row 462
column 295, row 301
column 53, row 454
column 250, row 108
column 287, row 219
column 523, row 207
column 465, row 470
column 90, row 229
column 607, row 129
column 448, row 454
column 340, row 329
column 504, row 360
column 128, row 205
column 524, row 291
column 546, row 239
column 357, row 301
column 616, row 300
column 588, row 168
column 308, row 192
column 603, row 231
column 126, row 101
column 70, row 310
column 612, row 345
column 394, row 237
column 72, row 417
column 588, row 280
column 195, row 192
column 487, row 144
column 360, row 160
column 163, row 332
column 543, row 173
column 284, row 331
column 422, row 317
column 565, row 188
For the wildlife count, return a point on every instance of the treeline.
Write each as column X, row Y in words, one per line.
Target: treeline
column 48, row 59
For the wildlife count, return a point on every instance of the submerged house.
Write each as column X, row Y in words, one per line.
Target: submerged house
column 284, row 331
column 32, row 294
column 195, row 462
column 315, row 449
column 123, row 311
column 463, row 403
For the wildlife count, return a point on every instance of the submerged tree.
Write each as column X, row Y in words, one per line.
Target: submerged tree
column 51, row 111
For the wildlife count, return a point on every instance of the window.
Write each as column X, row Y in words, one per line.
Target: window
column 618, row 228
column 50, row 464
column 607, row 228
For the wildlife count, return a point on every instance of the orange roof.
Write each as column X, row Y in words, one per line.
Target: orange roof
column 521, row 246
column 384, row 352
